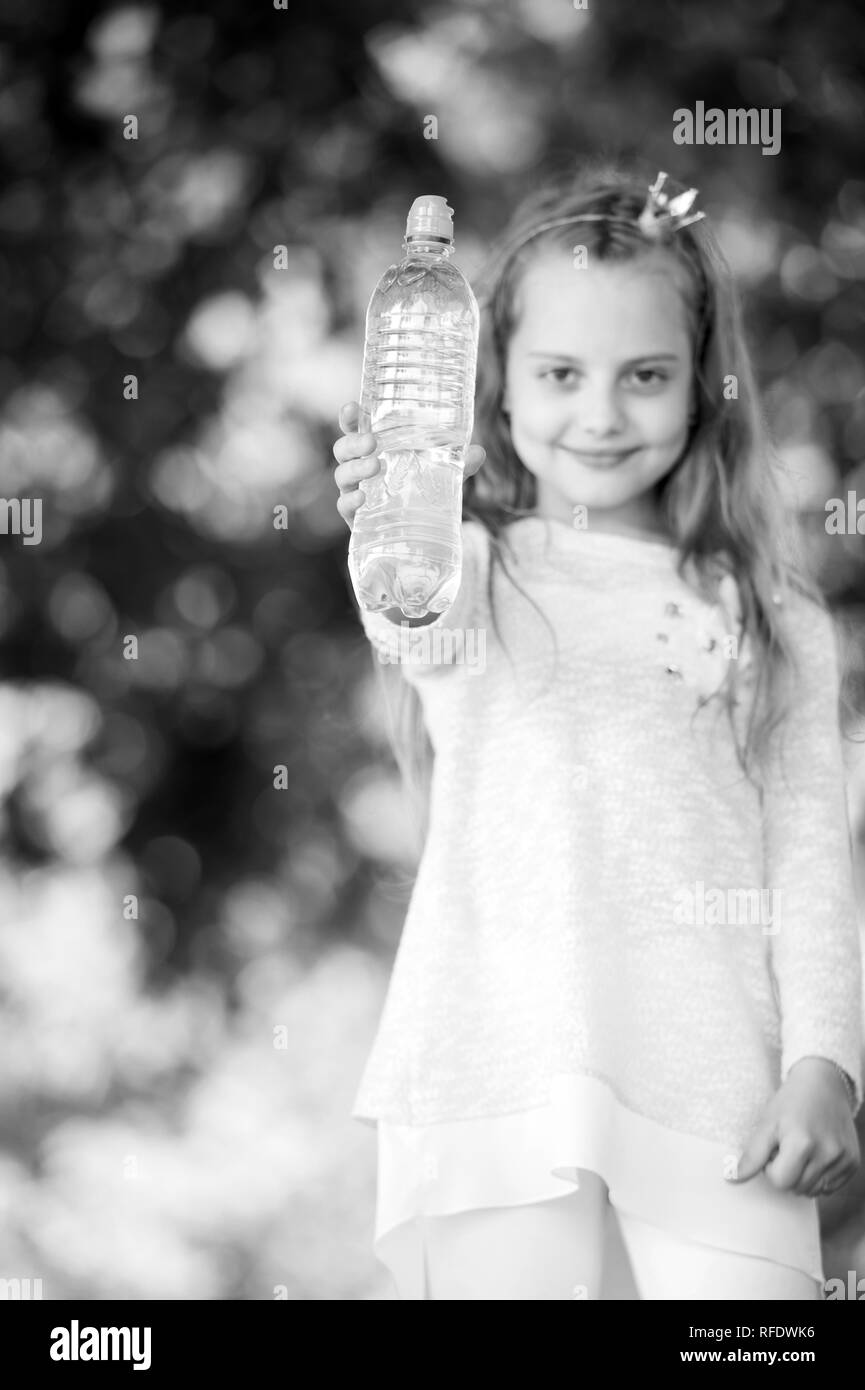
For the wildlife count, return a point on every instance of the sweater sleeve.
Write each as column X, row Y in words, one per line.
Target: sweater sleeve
column 457, row 636
column 816, row 953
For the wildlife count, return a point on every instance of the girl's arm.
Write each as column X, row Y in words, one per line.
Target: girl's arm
column 807, row 843
column 806, row 1140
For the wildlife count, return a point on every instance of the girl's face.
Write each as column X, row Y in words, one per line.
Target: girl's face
column 599, row 385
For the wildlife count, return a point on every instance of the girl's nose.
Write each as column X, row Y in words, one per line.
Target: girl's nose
column 599, row 410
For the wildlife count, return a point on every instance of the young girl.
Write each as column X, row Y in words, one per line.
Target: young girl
column 620, row 1055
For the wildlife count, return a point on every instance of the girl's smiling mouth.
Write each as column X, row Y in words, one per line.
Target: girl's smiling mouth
column 600, row 458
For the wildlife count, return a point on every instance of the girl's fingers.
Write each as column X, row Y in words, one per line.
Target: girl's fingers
column 352, row 450
column 353, row 446
column 348, row 476
column 812, row 1177
column 356, row 458
column 347, row 504
column 475, row 457
column 787, row 1167
column 833, row 1178
column 757, row 1152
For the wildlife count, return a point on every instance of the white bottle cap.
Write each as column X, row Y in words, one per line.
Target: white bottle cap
column 430, row 219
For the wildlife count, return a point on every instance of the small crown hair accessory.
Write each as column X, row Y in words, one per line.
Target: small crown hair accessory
column 663, row 215
column 660, row 218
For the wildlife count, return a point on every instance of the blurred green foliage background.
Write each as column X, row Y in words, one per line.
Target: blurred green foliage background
column 192, row 961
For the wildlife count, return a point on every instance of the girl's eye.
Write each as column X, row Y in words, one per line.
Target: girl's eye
column 643, row 376
column 649, row 376
column 554, row 370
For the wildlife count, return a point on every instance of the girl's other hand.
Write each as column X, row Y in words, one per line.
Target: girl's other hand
column 356, row 458
column 806, row 1140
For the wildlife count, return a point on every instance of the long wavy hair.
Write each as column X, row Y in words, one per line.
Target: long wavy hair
column 720, row 501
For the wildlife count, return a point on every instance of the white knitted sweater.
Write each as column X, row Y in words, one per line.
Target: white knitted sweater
column 589, row 896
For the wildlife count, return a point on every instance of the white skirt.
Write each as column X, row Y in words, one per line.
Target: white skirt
column 672, row 1180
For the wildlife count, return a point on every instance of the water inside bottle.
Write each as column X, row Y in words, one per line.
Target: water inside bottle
column 405, row 550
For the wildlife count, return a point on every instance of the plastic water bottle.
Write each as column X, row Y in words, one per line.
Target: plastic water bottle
column 417, row 398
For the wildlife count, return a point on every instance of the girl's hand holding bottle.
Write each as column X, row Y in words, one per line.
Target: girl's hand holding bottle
column 356, row 458
column 806, row 1139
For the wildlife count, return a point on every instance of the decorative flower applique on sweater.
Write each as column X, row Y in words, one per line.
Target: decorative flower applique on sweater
column 700, row 641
